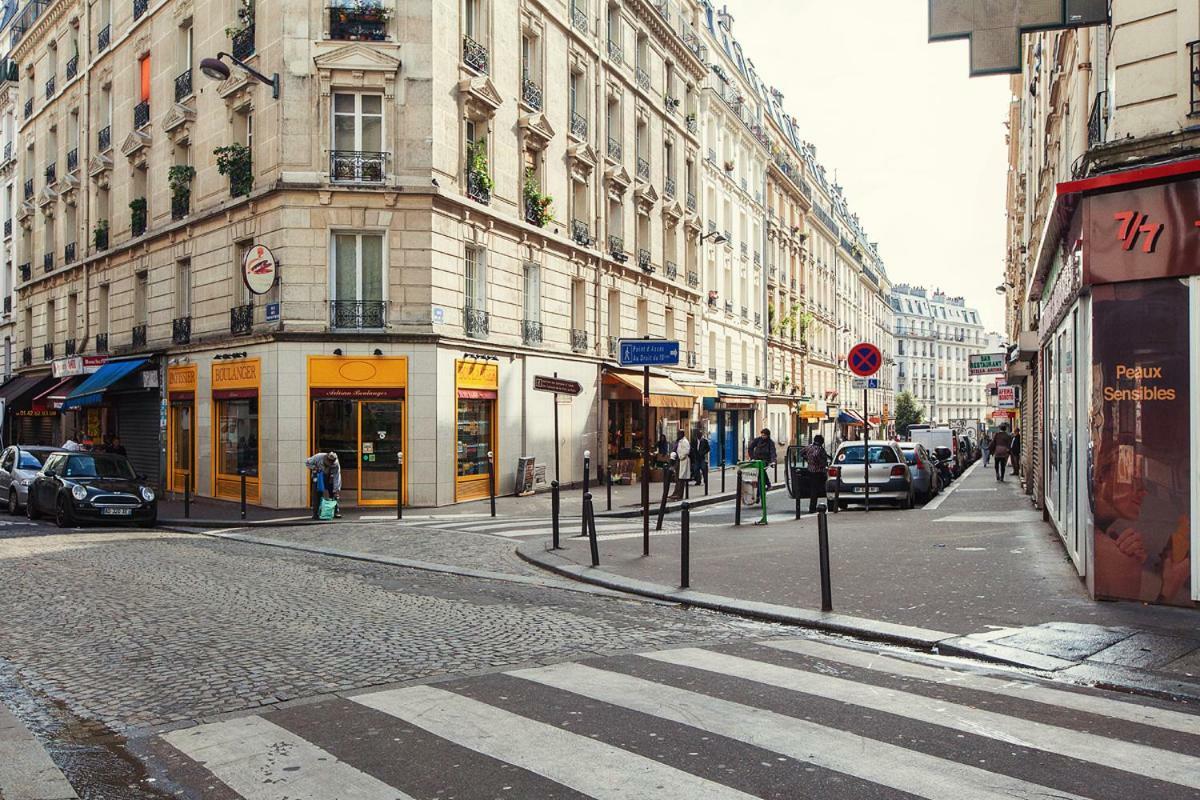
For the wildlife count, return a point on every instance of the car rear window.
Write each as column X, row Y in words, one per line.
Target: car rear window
column 854, row 455
column 910, row 456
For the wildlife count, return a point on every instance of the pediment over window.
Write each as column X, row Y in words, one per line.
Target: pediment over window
column 135, row 146
column 99, row 167
column 693, row 224
column 357, row 57
column 672, row 212
column 618, row 179
column 24, row 214
column 480, row 96
column 538, row 133
column 46, row 199
column 582, row 160
column 178, row 122
column 646, row 198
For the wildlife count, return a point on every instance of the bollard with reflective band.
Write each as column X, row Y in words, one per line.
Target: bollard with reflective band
column 823, row 552
column 554, row 509
column 685, row 544
column 399, row 485
column 242, row 473
column 492, row 481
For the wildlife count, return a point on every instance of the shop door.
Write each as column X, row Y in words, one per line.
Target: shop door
column 335, row 428
column 183, row 452
column 381, row 436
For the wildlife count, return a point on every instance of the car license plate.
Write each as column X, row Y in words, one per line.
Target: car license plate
column 117, row 512
column 863, row 489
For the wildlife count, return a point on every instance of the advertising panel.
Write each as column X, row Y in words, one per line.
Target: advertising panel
column 987, row 364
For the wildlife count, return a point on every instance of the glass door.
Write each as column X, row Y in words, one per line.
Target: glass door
column 335, row 428
column 381, row 436
column 182, row 446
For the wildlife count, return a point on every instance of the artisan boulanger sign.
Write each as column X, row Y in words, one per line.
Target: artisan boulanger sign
column 1150, row 231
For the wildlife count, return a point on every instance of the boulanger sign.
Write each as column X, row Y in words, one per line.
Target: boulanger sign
column 986, row 364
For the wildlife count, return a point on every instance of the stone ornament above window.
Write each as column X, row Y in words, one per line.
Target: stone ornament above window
column 480, row 97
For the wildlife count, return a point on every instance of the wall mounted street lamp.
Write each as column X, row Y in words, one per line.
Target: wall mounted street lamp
column 716, row 236
column 218, row 70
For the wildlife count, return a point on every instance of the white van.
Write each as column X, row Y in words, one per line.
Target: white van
column 933, row 438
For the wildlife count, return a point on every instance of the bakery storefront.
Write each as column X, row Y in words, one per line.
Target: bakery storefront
column 476, row 395
column 357, row 410
column 670, row 411
column 181, row 425
column 236, row 385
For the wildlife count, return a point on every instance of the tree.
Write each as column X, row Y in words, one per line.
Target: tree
column 907, row 413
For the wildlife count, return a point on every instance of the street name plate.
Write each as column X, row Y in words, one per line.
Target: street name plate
column 648, row 352
column 545, row 383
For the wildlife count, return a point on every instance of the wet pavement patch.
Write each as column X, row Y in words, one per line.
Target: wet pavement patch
column 1068, row 640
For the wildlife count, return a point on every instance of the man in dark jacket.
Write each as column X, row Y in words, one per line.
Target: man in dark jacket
column 814, row 466
column 700, row 451
column 763, row 449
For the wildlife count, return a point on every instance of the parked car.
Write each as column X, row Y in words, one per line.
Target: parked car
column 19, row 465
column 77, row 487
column 889, row 475
column 925, row 478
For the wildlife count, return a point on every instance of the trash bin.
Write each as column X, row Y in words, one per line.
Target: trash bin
column 752, row 473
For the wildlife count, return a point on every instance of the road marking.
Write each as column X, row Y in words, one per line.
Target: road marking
column 588, row 766
column 937, row 501
column 1090, row 704
column 261, row 761
column 869, row 759
column 997, row 518
column 1128, row 756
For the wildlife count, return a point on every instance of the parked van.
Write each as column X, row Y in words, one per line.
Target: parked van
column 934, row 438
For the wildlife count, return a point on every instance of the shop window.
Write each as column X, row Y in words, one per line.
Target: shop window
column 474, row 435
column 237, row 436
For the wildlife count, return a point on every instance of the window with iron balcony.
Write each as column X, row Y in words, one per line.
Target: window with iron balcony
column 139, row 336
column 101, row 342
column 531, row 93
column 141, row 114
column 139, row 8
column 241, row 319
column 361, row 166
column 531, row 332
column 73, row 159
column 579, row 341
column 358, row 21
column 644, row 262
column 241, row 44
column 475, row 55
column 581, row 233
column 181, row 330
column 72, row 67
column 48, row 351
column 183, row 85
column 69, row 347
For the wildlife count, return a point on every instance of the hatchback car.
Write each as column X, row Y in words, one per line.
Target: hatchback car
column 887, row 476
column 925, row 477
column 19, row 465
column 77, row 487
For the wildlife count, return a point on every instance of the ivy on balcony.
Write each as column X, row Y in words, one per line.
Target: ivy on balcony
column 479, row 182
column 234, row 161
column 137, row 215
column 538, row 206
column 100, row 235
column 179, row 178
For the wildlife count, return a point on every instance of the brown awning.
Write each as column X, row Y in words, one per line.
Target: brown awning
column 664, row 392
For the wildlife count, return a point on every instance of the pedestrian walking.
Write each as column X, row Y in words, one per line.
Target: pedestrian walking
column 762, row 448
column 682, row 454
column 815, row 473
column 1014, row 454
column 700, row 458
column 328, row 471
column 1001, row 448
column 987, row 449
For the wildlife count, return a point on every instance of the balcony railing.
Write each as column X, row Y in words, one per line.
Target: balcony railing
column 141, row 115
column 643, row 169
column 579, row 125
column 103, row 38
column 477, row 190
column 104, row 138
column 69, row 253
column 51, row 174
column 73, row 159
column 476, row 322
column 644, row 262
column 180, row 205
column 7, row 228
column 139, row 8
column 1098, row 117
column 7, row 304
column 614, row 149
column 72, row 67
column 643, row 79
column 616, row 248
column 100, row 239
column 613, row 344
column 357, row 166
column 693, row 279
column 692, row 125
column 672, row 270
column 29, row 108
column 745, row 250
column 581, row 233
column 241, row 320
column 531, row 94
column 139, row 336
column 358, row 314
column 531, row 331
column 48, row 262
column 758, row 319
column 26, row 271
column 366, row 25
column 693, row 359
column 729, row 376
column 669, row 187
column 8, row 152
column 1194, row 71
column 745, row 379
column 745, row 313
column 183, row 85
column 48, row 351
column 614, row 51
column 475, row 55
column 50, row 83
column 691, row 202
column 729, row 307
column 70, row 347
column 181, row 330
column 241, row 45
column 579, row 18
column 29, row 189
column 579, row 341
column 101, row 342
column 26, row 356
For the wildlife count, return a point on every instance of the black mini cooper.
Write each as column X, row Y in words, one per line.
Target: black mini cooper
column 91, row 487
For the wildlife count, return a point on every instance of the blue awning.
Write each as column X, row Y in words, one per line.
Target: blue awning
column 849, row 418
column 91, row 391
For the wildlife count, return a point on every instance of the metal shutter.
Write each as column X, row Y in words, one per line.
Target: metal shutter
column 138, row 426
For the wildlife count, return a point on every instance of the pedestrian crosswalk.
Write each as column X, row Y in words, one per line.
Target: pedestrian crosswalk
column 520, row 527
column 785, row 718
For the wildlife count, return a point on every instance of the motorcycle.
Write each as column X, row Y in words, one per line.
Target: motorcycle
column 945, row 470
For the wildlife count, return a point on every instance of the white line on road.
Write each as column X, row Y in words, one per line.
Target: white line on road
column 594, row 768
column 937, row 501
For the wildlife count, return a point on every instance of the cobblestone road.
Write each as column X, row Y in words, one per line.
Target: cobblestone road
column 134, row 629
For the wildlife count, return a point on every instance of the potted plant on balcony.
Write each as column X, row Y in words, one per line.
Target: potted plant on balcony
column 245, row 19
column 362, row 11
column 179, row 178
column 538, row 210
column 478, row 178
column 100, row 235
column 137, row 215
column 234, row 161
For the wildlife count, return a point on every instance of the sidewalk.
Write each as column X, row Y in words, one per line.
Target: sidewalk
column 981, row 573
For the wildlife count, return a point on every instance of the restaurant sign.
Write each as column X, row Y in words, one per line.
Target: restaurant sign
column 71, row 366
column 986, row 364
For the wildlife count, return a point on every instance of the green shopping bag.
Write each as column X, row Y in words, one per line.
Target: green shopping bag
column 327, row 509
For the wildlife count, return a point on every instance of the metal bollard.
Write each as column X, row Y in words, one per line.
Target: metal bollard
column 399, row 485
column 685, row 544
column 554, row 515
column 492, row 481
column 589, row 518
column 775, row 467
column 662, row 507
column 823, row 548
column 316, row 498
column 242, row 473
column 705, row 468
column 796, row 481
column 737, row 509
column 722, row 475
column 187, row 495
column 837, row 494
column 587, row 469
column 608, row 470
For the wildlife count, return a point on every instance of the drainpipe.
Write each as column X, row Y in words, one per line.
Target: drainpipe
column 763, row 299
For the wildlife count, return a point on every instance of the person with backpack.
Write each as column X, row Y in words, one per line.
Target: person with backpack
column 1001, row 447
column 816, row 465
column 328, row 472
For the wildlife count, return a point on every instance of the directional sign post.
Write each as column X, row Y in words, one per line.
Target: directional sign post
column 864, row 360
column 646, row 353
column 558, row 386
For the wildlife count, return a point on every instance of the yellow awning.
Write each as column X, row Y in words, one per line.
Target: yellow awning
column 664, row 392
column 700, row 392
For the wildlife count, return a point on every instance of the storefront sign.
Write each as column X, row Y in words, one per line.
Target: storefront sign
column 1006, row 396
column 77, row 365
column 1146, row 232
column 259, row 269
column 1060, row 291
column 232, row 379
column 182, row 380
column 359, row 392
column 476, row 375
column 986, row 364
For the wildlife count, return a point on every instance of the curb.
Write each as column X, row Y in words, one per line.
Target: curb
column 674, row 506
column 195, row 522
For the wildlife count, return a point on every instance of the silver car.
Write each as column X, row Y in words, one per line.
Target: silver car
column 889, row 478
column 18, row 467
column 925, row 479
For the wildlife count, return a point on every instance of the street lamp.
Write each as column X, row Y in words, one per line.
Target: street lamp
column 218, row 70
column 716, row 236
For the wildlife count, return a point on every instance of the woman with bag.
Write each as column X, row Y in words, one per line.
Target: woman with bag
column 1000, row 447
column 329, row 481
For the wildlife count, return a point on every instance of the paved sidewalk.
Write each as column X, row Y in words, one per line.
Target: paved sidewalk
column 26, row 771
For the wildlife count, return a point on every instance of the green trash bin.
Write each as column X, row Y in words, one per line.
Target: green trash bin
column 754, row 486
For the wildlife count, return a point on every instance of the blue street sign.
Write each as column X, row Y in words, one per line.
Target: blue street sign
column 647, row 352
column 272, row 312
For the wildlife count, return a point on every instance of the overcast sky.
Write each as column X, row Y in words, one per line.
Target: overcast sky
column 916, row 144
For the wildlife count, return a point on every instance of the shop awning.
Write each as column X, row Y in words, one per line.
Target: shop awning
column 92, row 390
column 849, row 418
column 53, row 397
column 20, row 390
column 664, row 392
column 699, row 390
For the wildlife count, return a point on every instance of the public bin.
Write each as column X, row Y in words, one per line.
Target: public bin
column 753, row 473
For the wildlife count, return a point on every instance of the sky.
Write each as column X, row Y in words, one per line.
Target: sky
column 916, row 144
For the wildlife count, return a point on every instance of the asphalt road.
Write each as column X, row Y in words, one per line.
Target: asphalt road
column 155, row 664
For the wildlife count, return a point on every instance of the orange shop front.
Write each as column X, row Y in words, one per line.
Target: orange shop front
column 236, row 385
column 476, row 389
column 181, row 425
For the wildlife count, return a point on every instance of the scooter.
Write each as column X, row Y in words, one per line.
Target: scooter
column 943, row 468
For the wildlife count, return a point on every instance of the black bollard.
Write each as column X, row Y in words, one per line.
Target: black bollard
column 587, row 469
column 685, row 544
column 797, row 480
column 775, row 467
column 316, row 498
column 706, row 480
column 837, row 493
column 554, row 514
column 187, row 495
column 492, row 482
column 722, row 475
column 609, row 487
column 399, row 485
column 242, row 473
column 662, row 507
column 823, row 547
column 589, row 517
column 737, row 508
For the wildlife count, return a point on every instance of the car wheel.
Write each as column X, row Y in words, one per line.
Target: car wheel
column 63, row 516
column 14, row 505
column 843, row 505
column 907, row 502
column 31, row 511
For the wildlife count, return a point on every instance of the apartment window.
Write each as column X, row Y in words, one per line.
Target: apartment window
column 140, row 286
column 473, row 19
column 183, row 288
column 533, row 292
column 72, row 315
column 614, row 313
column 358, row 268
column 102, row 310
column 643, row 317
column 614, row 31
column 357, row 137
column 144, row 79
column 51, row 322
column 669, row 324
column 578, row 305
column 475, row 274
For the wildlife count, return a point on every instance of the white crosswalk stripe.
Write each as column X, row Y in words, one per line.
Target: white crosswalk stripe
column 615, row 528
column 574, row 727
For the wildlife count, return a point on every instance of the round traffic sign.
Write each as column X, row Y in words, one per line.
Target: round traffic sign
column 864, row 359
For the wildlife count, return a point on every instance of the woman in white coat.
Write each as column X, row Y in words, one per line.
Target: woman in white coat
column 683, row 464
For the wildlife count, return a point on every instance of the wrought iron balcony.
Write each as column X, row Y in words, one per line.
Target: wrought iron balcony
column 26, row 356
column 29, row 108
column 614, row 149
column 1194, row 70
column 692, row 125
column 50, row 87
column 101, row 342
column 691, row 202
column 358, row 314
column 693, row 279
column 100, row 239
column 643, row 79
column 745, row 379
column 614, row 51
column 69, row 253
column 366, row 25
column 72, row 67
column 104, row 138
column 712, row 374
column 73, row 159
column 616, row 248
column 476, row 323
column 475, row 55
column 102, row 38
column 670, row 104
column 728, row 239
column 669, row 188
column 712, row 226
column 7, row 228
column 137, row 223
column 181, row 205
column 579, row 18
column 531, row 331
column 729, row 307
column 357, row 166
column 139, row 335
column 729, row 376
column 745, row 313
column 477, row 190
column 241, row 320
column 8, row 152
column 579, row 125
column 51, row 174
column 710, row 156
column 643, row 169
column 531, row 94
column 693, row 359
column 26, row 271
column 1099, row 115
column 48, row 262
column 758, row 319
column 7, row 304
column 70, row 347
column 181, row 330
column 581, row 233
column 672, row 270
column 745, row 248
column 139, row 8
column 758, row 258
column 579, row 341
column 644, row 261
column 48, row 351
column 141, row 115
column 241, row 45
column 613, row 345
column 183, row 85
column 534, row 213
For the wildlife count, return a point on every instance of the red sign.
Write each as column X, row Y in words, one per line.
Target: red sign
column 259, row 269
column 1150, row 231
column 864, row 359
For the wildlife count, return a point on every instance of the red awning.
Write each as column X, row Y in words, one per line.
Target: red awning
column 52, row 399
